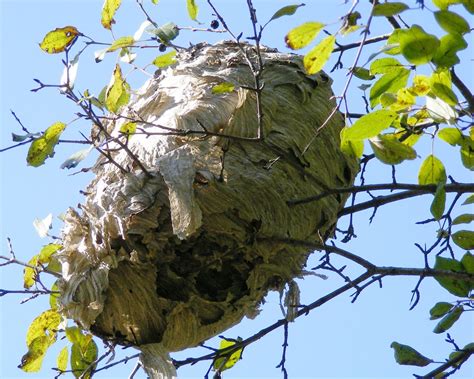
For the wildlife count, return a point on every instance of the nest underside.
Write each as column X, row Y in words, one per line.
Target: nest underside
column 184, row 252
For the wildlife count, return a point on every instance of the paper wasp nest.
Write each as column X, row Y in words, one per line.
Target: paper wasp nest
column 180, row 255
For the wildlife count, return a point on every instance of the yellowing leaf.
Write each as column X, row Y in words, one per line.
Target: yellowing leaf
column 432, row 171
column 82, row 355
column 29, row 273
column 61, row 360
column 165, row 59
column 53, row 297
column 59, row 39
column 108, row 12
column 388, row 83
column 121, row 43
column 416, row 45
column 224, row 87
column 315, row 60
column 226, row 362
column 421, row 85
column 46, row 324
column 128, row 128
column 43, row 147
column 302, row 35
column 117, row 93
column 389, row 150
column 192, row 9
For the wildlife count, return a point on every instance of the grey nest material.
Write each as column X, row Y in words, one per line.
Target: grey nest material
column 181, row 255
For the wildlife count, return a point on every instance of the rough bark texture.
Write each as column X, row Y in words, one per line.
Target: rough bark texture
column 176, row 257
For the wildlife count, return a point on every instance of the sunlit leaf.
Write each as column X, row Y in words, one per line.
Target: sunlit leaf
column 388, row 149
column 53, row 298
column 455, row 286
column 389, row 9
column 416, row 45
column 82, row 355
column 285, row 11
column 128, row 128
column 315, row 60
column 388, row 83
column 440, row 111
column 432, row 171
column 29, row 273
column 467, row 153
column 108, row 12
column 76, row 158
column 452, row 22
column 45, row 254
column 43, row 147
column 45, row 324
column 138, row 34
column 121, row 43
column 440, row 82
column 165, row 59
column 385, row 66
column 421, row 85
column 362, row 73
column 468, row 5
column 221, row 88
column 393, row 43
column 465, row 218
column 370, row 125
column 464, row 239
column 440, row 309
column 118, row 93
column 353, row 148
column 444, row 4
column 61, row 360
column 446, row 54
column 166, row 32
column 192, row 9
column 59, row 39
column 302, row 35
column 450, row 135
column 469, row 200
column 448, row 321
column 439, row 202
column 406, row 355
column 404, row 100
column 226, row 362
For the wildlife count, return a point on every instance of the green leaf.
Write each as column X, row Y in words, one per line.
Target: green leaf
column 385, row 66
column 417, row 46
column 353, row 148
column 226, row 362
column 448, row 320
column 388, row 83
column 432, row 171
column 370, row 125
column 469, row 200
column 46, row 324
column 350, row 23
column 444, row 4
column 362, row 73
column 388, row 149
column 439, row 202
column 286, row 11
column 440, row 82
column 457, row 287
column 128, row 128
column 59, row 39
column 155, row 1
column 33, row 359
column 82, row 355
column 192, row 9
column 165, row 59
column 166, row 32
column 406, row 355
column 117, row 93
column 453, row 136
column 315, row 60
column 446, row 54
column 47, row 251
column 121, row 43
column 465, row 218
column 452, row 22
column 29, row 273
column 389, row 9
column 467, row 153
column 464, row 239
column 74, row 335
column 440, row 309
column 43, row 147
column 393, row 43
column 221, row 88
column 467, row 262
column 302, row 35
column 469, row 5
column 53, row 298
column 108, row 12
column 61, row 360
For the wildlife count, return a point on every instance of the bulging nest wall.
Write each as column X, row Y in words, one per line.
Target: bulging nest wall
column 180, row 255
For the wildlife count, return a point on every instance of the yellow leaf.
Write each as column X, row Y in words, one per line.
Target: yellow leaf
column 29, row 274
column 117, row 93
column 108, row 11
column 315, row 60
column 226, row 362
column 43, row 147
column 57, row 40
column 192, row 9
column 121, row 43
column 128, row 128
column 221, row 88
column 165, row 59
column 33, row 359
column 45, row 324
column 61, row 360
column 302, row 35
column 421, row 85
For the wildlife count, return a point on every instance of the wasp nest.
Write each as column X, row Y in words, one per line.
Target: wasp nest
column 183, row 251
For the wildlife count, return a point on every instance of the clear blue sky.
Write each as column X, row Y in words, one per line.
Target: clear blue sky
column 338, row 340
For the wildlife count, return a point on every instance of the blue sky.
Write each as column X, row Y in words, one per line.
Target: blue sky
column 338, row 340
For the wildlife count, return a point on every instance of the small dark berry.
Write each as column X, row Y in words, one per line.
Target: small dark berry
column 162, row 47
column 214, row 24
